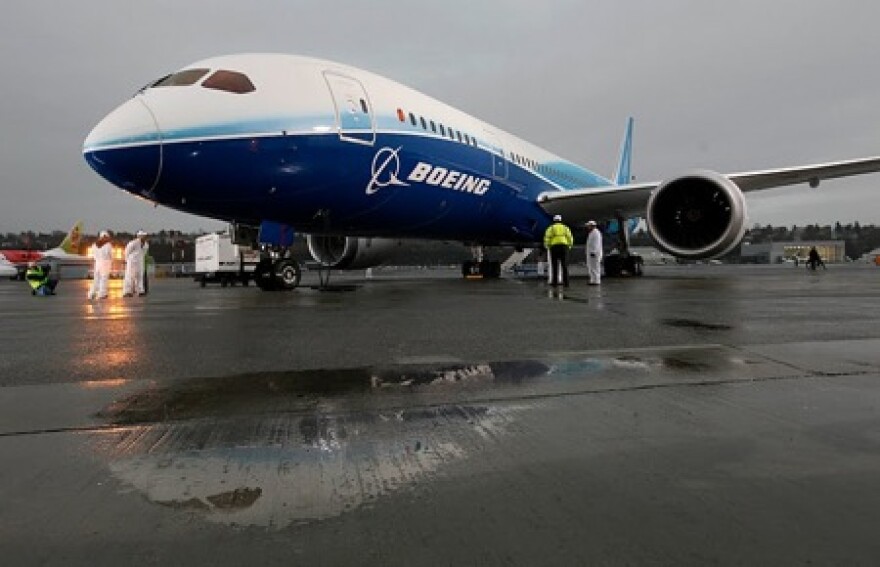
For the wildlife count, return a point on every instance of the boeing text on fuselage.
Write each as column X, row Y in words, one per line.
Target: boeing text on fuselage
column 448, row 179
column 386, row 170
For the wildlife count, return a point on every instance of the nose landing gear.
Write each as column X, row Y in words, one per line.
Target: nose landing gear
column 282, row 274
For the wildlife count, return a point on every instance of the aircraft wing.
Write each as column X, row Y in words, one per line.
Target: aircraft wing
column 578, row 205
column 631, row 200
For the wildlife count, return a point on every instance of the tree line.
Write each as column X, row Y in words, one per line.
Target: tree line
column 167, row 246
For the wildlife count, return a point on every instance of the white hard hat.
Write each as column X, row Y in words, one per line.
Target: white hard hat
column 141, row 233
column 591, row 223
column 557, row 218
column 104, row 234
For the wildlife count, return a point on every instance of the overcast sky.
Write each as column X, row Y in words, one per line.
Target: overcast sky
column 729, row 86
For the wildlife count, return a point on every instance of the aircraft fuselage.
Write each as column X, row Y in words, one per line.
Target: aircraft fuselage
column 327, row 149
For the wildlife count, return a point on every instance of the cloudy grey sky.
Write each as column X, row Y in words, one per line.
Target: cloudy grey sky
column 724, row 85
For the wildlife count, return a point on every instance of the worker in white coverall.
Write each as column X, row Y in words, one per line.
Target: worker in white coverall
column 594, row 253
column 102, row 254
column 135, row 251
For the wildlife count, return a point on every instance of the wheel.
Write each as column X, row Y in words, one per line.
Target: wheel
column 202, row 281
column 287, row 274
column 490, row 269
column 632, row 265
column 612, row 266
column 263, row 275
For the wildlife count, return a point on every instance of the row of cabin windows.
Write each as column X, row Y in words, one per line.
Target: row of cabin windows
column 239, row 83
column 543, row 169
column 437, row 128
column 453, row 134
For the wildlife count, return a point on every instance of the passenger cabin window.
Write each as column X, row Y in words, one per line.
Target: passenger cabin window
column 181, row 78
column 412, row 118
column 364, row 106
column 229, row 81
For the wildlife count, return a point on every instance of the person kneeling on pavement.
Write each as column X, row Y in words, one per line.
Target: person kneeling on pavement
column 37, row 277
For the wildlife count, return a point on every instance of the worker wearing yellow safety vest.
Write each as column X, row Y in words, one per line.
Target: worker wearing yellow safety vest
column 38, row 278
column 558, row 241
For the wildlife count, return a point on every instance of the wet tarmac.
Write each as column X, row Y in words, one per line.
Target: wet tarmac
column 698, row 415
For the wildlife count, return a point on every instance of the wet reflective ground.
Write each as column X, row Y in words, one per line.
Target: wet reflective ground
column 698, row 415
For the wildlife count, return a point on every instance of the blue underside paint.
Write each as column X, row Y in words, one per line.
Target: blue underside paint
column 318, row 184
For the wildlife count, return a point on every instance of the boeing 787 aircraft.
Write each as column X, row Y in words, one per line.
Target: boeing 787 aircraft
column 357, row 161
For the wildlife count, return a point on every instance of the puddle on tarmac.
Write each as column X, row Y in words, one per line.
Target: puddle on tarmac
column 364, row 388
column 273, row 449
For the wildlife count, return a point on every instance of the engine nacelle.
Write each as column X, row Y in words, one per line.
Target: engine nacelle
column 350, row 253
column 699, row 215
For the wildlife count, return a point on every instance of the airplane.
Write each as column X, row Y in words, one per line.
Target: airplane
column 7, row 270
column 65, row 254
column 358, row 162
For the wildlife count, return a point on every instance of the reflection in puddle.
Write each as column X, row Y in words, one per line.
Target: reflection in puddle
column 272, row 449
column 280, row 470
column 307, row 390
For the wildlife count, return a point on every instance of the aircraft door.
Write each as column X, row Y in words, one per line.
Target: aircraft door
column 355, row 121
column 499, row 162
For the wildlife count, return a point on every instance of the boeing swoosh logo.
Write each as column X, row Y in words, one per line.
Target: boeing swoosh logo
column 386, row 168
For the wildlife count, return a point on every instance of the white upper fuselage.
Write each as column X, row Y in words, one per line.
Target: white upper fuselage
column 326, row 148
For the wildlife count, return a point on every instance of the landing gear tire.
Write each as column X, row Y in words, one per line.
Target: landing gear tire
column 286, row 274
column 264, row 275
column 616, row 266
column 481, row 270
column 635, row 264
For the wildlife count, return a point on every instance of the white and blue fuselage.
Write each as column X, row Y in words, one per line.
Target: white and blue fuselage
column 349, row 157
column 327, row 149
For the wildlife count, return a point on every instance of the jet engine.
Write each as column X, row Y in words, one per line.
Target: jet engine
column 350, row 253
column 699, row 215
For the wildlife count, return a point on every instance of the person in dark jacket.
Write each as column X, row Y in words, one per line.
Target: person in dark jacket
column 814, row 260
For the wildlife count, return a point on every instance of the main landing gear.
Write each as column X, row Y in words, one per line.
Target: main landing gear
column 624, row 263
column 479, row 268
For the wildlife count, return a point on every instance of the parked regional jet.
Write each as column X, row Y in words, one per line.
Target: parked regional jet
column 357, row 161
column 65, row 254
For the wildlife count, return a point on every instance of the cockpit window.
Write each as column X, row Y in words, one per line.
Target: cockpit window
column 181, row 78
column 230, row 81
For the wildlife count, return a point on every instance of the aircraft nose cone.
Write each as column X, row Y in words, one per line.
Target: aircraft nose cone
column 125, row 148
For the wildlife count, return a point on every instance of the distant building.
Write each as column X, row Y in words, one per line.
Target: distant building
column 831, row 251
column 872, row 257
